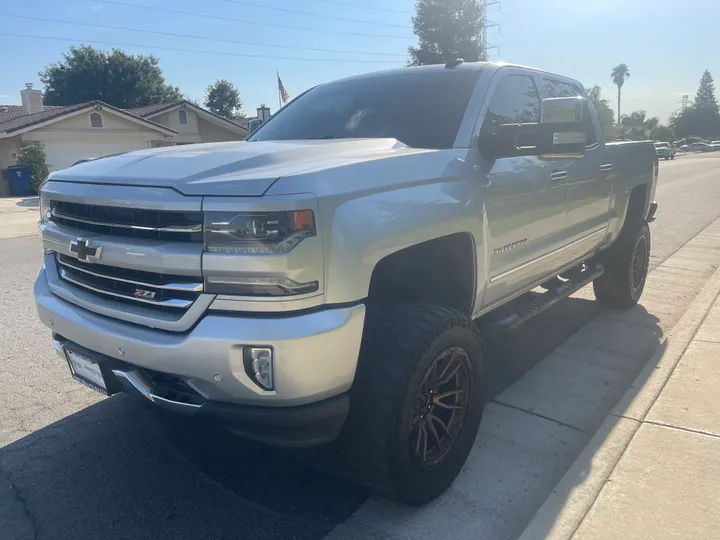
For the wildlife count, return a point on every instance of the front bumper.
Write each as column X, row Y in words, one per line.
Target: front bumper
column 295, row 427
column 315, row 353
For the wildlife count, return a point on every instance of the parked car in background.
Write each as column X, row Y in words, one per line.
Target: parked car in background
column 701, row 147
column 665, row 150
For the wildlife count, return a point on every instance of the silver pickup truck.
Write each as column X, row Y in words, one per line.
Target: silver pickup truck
column 323, row 280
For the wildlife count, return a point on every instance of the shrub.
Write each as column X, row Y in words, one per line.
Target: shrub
column 32, row 154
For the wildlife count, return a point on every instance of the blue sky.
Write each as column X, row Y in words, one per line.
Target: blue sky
column 666, row 43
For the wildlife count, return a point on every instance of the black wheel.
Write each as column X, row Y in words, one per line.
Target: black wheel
column 626, row 267
column 416, row 403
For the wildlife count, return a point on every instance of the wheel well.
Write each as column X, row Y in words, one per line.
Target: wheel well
column 440, row 272
column 637, row 205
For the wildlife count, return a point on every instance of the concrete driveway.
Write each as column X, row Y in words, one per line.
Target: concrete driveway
column 18, row 216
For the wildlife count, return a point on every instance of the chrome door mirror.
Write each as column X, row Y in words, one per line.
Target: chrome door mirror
column 564, row 126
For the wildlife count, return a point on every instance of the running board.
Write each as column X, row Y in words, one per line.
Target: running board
column 541, row 302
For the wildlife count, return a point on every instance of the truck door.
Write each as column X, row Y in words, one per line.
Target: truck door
column 524, row 197
column 589, row 181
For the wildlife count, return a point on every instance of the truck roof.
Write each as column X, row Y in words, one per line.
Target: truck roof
column 441, row 69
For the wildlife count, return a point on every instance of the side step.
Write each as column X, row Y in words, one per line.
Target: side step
column 576, row 280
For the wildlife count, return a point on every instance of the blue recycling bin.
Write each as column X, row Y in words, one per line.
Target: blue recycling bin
column 20, row 180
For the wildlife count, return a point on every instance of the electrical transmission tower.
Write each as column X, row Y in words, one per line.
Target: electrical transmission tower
column 484, row 5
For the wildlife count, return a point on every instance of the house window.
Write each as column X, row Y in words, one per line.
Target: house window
column 182, row 114
column 96, row 120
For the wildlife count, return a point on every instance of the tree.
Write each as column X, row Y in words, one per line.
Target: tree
column 120, row 79
column 639, row 127
column 32, row 154
column 705, row 97
column 619, row 75
column 223, row 98
column 702, row 118
column 605, row 114
column 448, row 30
column 662, row 133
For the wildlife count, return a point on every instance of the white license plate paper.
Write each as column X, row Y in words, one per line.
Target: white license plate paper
column 86, row 370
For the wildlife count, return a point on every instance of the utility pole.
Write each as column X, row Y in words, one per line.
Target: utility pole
column 487, row 24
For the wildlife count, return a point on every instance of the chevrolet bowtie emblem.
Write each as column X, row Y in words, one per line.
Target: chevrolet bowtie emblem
column 84, row 250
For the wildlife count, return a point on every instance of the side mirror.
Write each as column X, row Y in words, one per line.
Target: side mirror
column 562, row 131
column 564, row 126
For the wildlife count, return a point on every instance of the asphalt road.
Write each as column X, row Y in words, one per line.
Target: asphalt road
column 74, row 465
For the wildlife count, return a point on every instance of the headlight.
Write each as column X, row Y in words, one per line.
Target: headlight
column 44, row 208
column 269, row 232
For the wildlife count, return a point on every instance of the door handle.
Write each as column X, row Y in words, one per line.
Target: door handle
column 606, row 168
column 558, row 175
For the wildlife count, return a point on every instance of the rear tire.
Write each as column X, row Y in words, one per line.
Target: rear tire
column 626, row 265
column 416, row 403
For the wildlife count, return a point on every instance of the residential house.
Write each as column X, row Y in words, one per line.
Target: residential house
column 95, row 129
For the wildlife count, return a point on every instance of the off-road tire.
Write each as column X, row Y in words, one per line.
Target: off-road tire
column 400, row 344
column 623, row 281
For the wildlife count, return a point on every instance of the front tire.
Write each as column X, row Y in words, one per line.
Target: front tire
column 626, row 266
column 416, row 403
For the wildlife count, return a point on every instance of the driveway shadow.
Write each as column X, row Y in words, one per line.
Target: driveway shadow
column 107, row 472
column 29, row 202
column 110, row 472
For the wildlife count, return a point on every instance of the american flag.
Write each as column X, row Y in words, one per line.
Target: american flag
column 281, row 89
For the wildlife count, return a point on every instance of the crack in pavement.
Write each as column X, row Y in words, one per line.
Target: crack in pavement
column 15, row 491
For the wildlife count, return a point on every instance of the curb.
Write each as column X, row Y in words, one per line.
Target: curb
column 569, row 502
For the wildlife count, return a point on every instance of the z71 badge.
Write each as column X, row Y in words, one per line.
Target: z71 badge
column 143, row 293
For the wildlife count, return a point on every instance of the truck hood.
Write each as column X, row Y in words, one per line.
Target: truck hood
column 235, row 168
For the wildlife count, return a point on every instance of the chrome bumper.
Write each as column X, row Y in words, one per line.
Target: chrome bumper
column 315, row 353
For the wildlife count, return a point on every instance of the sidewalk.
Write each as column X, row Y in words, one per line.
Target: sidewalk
column 653, row 468
column 18, row 216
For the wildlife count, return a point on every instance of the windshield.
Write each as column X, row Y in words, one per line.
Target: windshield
column 661, row 145
column 422, row 109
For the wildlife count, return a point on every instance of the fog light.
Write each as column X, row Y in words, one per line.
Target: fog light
column 259, row 366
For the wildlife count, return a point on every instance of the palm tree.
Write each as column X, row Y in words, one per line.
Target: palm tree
column 619, row 75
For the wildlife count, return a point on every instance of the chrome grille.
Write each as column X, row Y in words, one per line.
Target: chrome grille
column 163, row 225
column 162, row 291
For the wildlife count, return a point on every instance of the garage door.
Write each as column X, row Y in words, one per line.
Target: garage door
column 61, row 155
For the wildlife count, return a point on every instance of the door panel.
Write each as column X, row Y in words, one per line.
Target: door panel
column 589, row 182
column 524, row 197
column 526, row 215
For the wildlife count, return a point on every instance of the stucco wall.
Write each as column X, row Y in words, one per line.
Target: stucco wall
column 187, row 133
column 214, row 133
column 8, row 147
column 77, row 129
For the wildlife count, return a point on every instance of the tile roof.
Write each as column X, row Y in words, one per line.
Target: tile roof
column 10, row 112
column 13, row 117
column 21, row 122
column 12, row 120
column 150, row 109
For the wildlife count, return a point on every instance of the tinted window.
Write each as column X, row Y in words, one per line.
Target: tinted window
column 422, row 109
column 515, row 101
column 552, row 89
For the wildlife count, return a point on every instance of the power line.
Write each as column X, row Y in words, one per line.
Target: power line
column 243, row 3
column 254, row 23
column 191, row 36
column 337, row 2
column 198, row 51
